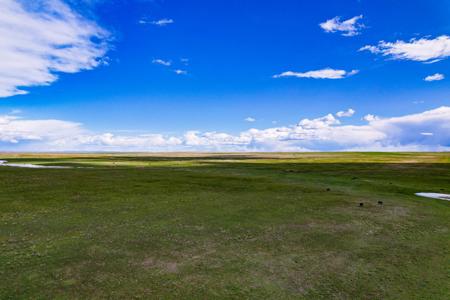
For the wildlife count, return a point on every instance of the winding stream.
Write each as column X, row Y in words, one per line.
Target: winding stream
column 4, row 163
column 434, row 196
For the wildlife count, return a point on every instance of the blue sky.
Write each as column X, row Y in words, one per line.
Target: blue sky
column 136, row 75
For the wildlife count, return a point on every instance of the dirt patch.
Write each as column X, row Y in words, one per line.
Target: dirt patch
column 328, row 227
column 164, row 266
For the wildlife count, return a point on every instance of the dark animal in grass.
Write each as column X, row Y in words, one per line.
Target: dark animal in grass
column 361, row 204
column 328, row 189
column 380, row 202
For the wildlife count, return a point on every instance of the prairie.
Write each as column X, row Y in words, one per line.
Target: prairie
column 224, row 225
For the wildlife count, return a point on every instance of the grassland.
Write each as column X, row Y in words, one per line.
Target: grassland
column 231, row 226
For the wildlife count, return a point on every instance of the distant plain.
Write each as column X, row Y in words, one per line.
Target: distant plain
column 225, row 225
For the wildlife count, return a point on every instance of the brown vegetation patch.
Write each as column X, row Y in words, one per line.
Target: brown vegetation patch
column 165, row 266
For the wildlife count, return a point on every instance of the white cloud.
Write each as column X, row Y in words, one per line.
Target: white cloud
column 109, row 141
column 15, row 111
column 214, row 139
column 162, row 62
column 326, row 133
column 161, row 22
column 423, row 50
column 35, row 45
column 250, row 119
column 406, row 130
column 370, row 118
column 180, row 72
column 349, row 27
column 348, row 113
column 317, row 123
column 372, row 49
column 326, row 73
column 426, row 131
column 14, row 129
column 435, row 77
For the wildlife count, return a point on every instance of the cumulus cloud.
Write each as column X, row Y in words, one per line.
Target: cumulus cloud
column 370, row 118
column 46, row 135
column 14, row 129
column 162, row 62
column 180, row 72
column 109, row 141
column 317, row 123
column 422, row 50
column 326, row 133
column 250, row 119
column 38, row 40
column 407, row 130
column 348, row 113
column 435, row 77
column 326, row 73
column 429, row 130
column 349, row 27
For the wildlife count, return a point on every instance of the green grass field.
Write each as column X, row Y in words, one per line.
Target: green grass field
column 225, row 226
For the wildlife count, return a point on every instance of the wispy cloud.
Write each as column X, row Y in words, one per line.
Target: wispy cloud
column 427, row 133
column 349, row 27
column 435, row 77
column 423, row 131
column 162, row 62
column 36, row 45
column 161, row 22
column 168, row 63
column 422, row 50
column 15, row 112
column 250, row 119
column 327, row 73
column 180, row 72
